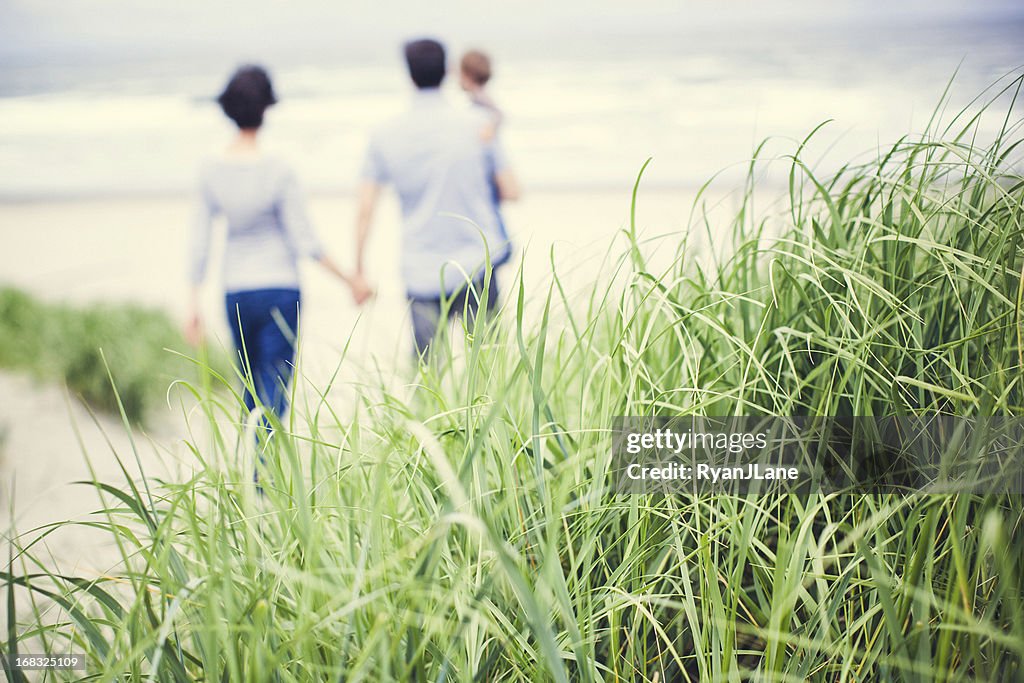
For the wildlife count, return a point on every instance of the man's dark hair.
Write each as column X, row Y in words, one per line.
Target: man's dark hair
column 247, row 95
column 426, row 60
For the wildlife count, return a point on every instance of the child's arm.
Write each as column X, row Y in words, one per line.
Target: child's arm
column 482, row 99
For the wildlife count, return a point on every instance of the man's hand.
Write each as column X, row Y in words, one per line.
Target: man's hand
column 508, row 186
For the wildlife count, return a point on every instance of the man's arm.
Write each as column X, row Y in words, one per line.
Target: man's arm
column 367, row 196
column 508, row 185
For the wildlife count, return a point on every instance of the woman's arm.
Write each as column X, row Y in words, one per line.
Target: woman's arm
column 304, row 240
column 199, row 256
column 296, row 223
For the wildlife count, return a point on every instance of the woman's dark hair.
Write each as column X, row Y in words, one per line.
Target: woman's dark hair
column 247, row 95
column 426, row 62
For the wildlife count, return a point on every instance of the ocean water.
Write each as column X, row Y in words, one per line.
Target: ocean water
column 696, row 101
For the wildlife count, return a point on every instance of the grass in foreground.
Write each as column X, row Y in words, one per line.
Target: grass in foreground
column 470, row 533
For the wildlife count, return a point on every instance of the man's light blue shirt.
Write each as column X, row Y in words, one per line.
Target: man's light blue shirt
column 438, row 158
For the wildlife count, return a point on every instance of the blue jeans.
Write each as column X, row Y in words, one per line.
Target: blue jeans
column 426, row 313
column 263, row 324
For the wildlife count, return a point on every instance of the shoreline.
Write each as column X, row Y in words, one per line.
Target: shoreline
column 721, row 181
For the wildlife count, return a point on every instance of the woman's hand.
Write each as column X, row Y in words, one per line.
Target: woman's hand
column 194, row 329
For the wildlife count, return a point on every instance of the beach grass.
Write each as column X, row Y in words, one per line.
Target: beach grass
column 86, row 347
column 466, row 528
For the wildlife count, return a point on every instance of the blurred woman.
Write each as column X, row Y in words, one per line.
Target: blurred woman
column 267, row 232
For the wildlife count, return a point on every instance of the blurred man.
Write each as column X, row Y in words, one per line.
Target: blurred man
column 439, row 158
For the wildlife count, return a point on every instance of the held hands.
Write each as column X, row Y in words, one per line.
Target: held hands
column 361, row 289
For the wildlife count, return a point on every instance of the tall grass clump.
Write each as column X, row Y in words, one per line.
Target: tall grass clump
column 467, row 529
column 77, row 345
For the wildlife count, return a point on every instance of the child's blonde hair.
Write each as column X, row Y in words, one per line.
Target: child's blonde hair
column 477, row 66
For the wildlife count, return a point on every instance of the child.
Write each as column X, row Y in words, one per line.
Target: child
column 475, row 71
column 474, row 74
